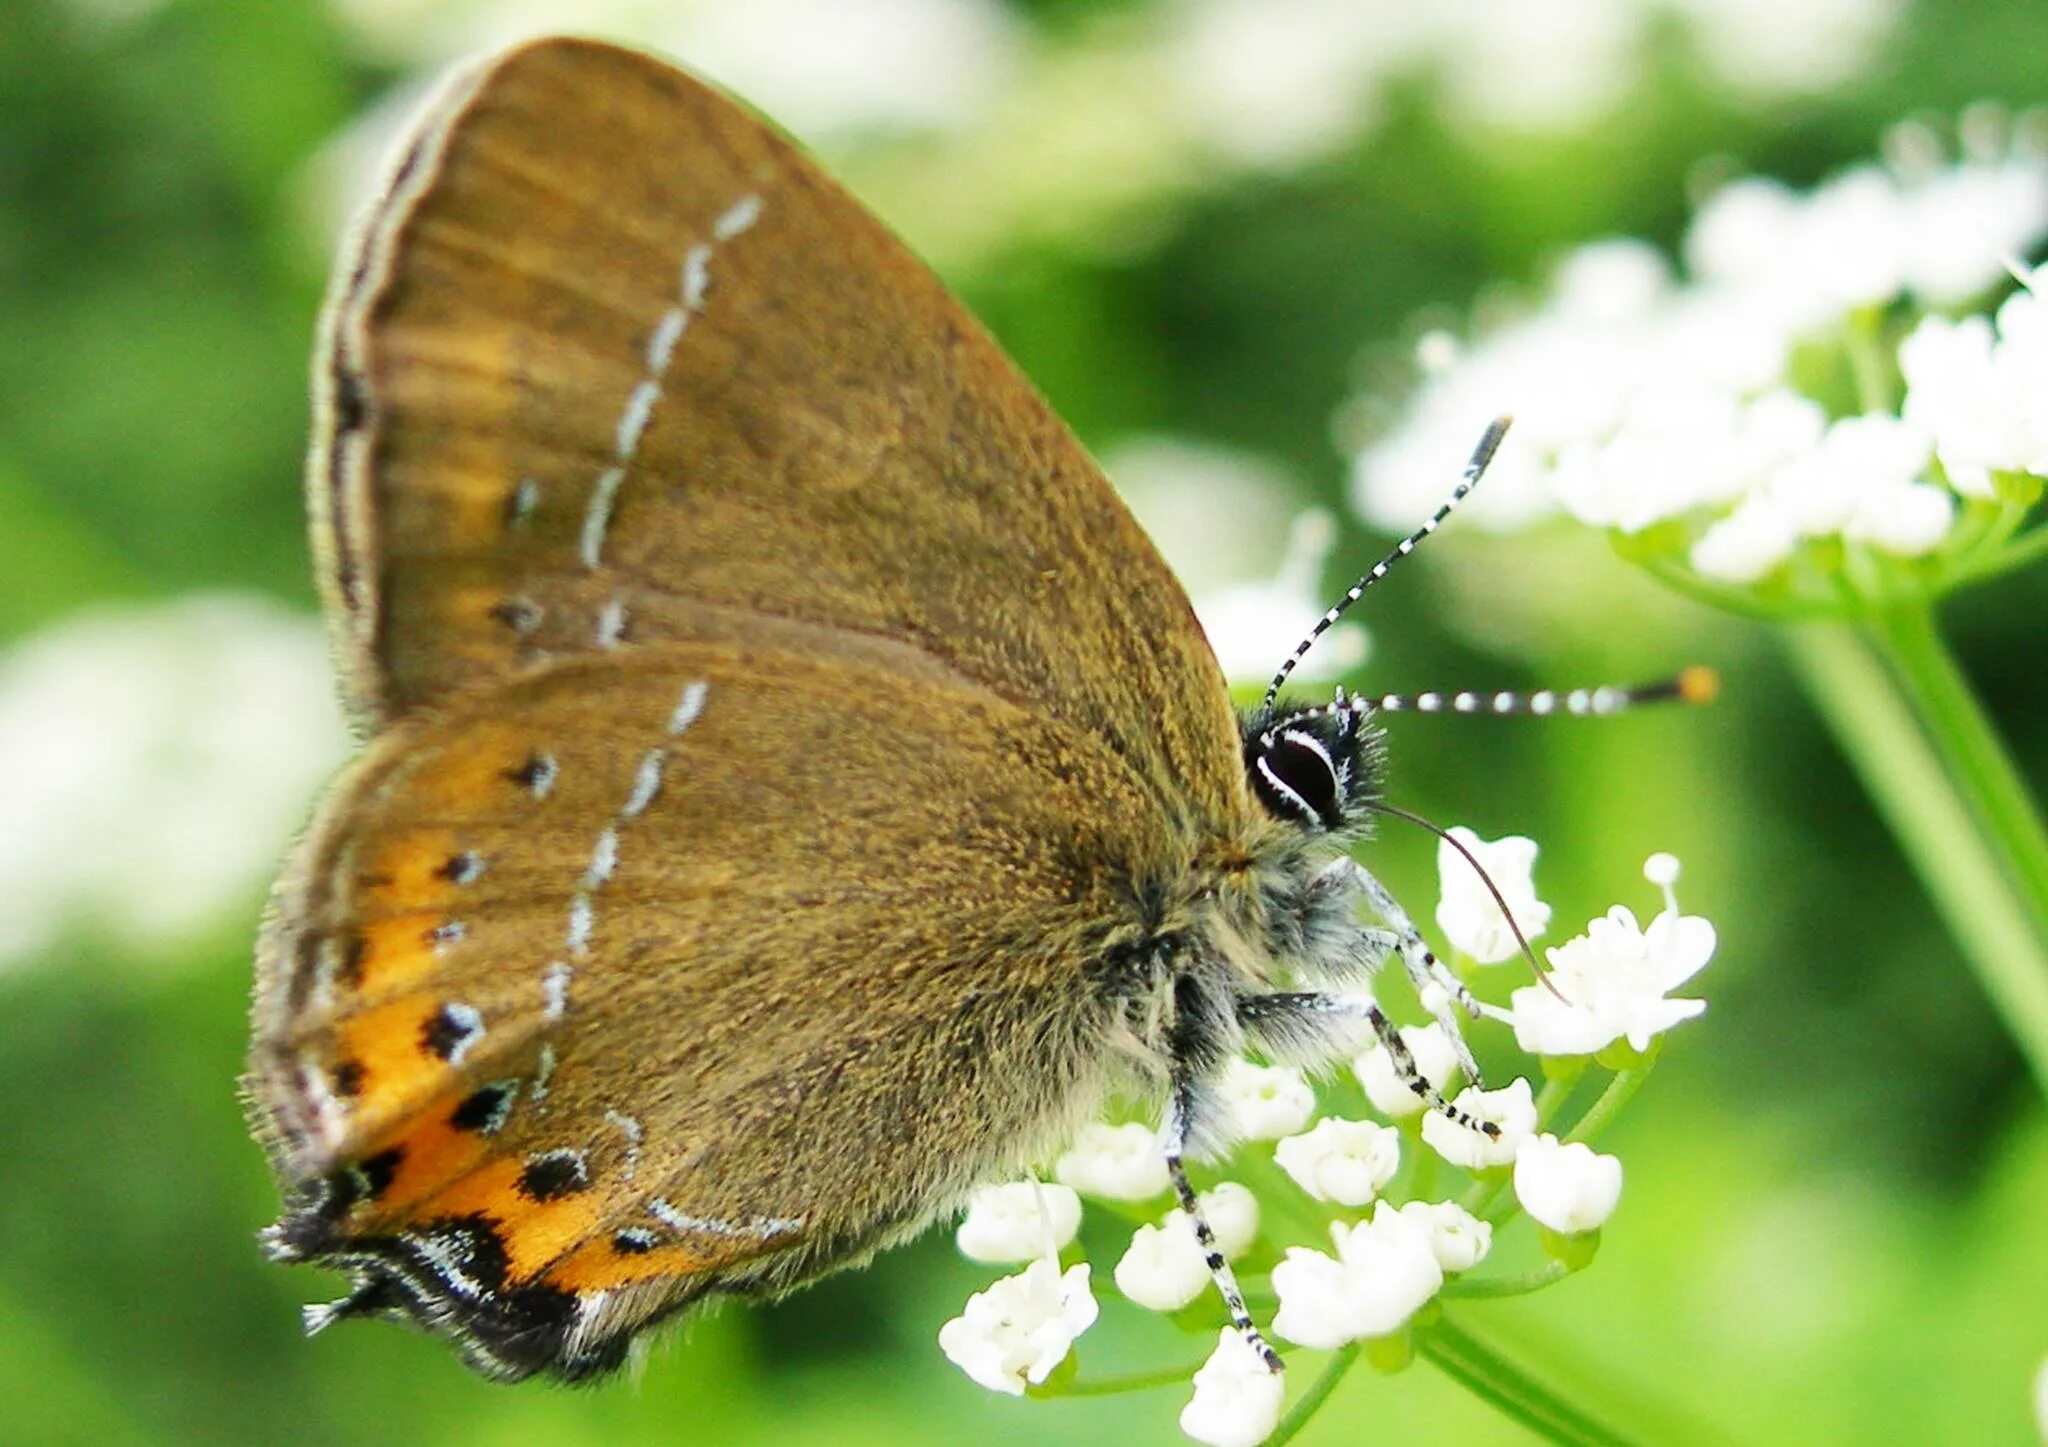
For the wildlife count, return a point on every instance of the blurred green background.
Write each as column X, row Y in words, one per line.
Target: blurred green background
column 1200, row 220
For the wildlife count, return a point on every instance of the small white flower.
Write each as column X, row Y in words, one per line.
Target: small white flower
column 1115, row 1162
column 1237, row 1396
column 1022, row 1327
column 1611, row 984
column 1265, row 1102
column 1435, row 1057
column 1459, row 1238
column 1745, row 546
column 1343, row 1161
column 1571, row 1188
column 1512, row 1108
column 1165, row 1268
column 1467, row 913
column 1004, row 1224
column 1385, row 1270
column 1233, row 1214
column 1162, row 1269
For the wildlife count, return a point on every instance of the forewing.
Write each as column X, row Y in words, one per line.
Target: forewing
column 678, row 968
column 615, row 361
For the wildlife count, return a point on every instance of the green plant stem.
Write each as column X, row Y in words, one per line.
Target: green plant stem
column 1600, row 1114
column 1318, row 1392
column 1484, row 1372
column 1126, row 1382
column 1970, row 746
column 1990, row 563
column 1950, row 844
column 1486, row 1287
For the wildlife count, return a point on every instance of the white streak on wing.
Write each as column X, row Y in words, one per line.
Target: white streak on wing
column 581, row 918
column 544, row 1073
column 449, row 1261
column 330, row 1112
column 597, row 517
column 628, row 1127
column 646, row 784
column 661, row 347
column 611, row 624
column 696, row 276
column 688, row 707
column 742, row 214
column 633, row 421
column 754, row 1226
column 603, row 859
column 554, row 989
column 470, row 1021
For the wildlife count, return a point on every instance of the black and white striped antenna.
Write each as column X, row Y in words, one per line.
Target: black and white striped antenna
column 1489, row 443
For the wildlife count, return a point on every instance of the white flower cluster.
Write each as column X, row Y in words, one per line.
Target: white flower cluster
column 1021, row 132
column 1211, row 510
column 1387, row 1258
column 150, row 760
column 1643, row 400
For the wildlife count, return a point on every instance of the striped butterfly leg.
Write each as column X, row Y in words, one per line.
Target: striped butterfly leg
column 1181, row 1118
column 1442, row 993
column 1312, row 1024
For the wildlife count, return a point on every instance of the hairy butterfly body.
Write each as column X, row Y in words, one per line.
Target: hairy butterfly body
column 795, row 790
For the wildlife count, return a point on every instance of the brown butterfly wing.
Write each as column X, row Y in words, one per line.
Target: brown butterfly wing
column 616, row 361
column 684, row 967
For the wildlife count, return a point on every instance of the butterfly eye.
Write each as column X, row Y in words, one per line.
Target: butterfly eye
column 1295, row 777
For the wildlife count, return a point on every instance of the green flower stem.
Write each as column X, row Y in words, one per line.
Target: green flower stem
column 1480, row 1288
column 1114, row 1386
column 2029, row 549
column 1481, row 1193
column 1970, row 746
column 1951, row 845
column 1318, row 1392
column 1483, row 1371
column 1600, row 1114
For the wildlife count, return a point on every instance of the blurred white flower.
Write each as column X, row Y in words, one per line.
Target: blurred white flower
column 153, row 762
column 2041, row 1399
column 1766, row 48
column 1237, row 1396
column 818, row 66
column 1612, row 983
column 1384, row 1272
column 1466, row 911
column 1162, row 1269
column 1212, row 510
column 1018, row 1221
column 1555, row 67
column 1512, row 1108
column 1572, row 1188
column 1233, row 1215
column 1275, row 82
column 1021, row 1327
column 1983, row 395
column 1746, row 545
column 1342, row 1161
column 1435, row 1057
column 1265, row 1102
column 1460, row 1239
column 1115, row 1162
column 1644, row 401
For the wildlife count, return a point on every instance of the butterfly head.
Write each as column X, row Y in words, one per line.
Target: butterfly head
column 1317, row 767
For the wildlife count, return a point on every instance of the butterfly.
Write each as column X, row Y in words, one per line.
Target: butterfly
column 794, row 790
